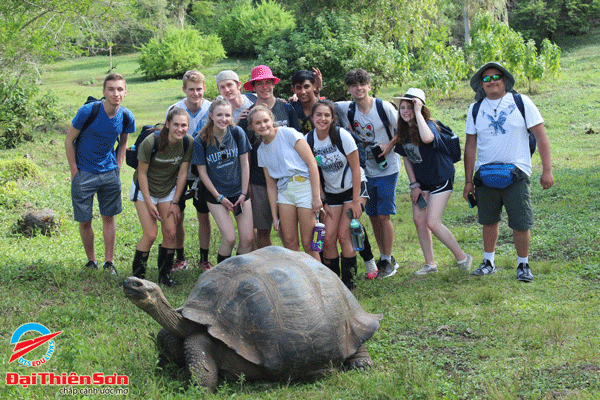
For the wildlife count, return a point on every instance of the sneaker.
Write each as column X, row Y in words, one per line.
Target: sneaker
column 110, row 267
column 386, row 268
column 486, row 268
column 179, row 265
column 524, row 273
column 92, row 265
column 465, row 266
column 205, row 265
column 371, row 269
column 427, row 269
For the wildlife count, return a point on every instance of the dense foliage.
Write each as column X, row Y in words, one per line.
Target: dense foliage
column 247, row 27
column 179, row 51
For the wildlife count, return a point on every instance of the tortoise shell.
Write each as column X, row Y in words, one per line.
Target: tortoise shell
column 280, row 309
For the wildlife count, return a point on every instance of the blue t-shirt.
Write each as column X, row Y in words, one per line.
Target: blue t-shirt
column 94, row 148
column 222, row 160
column 430, row 165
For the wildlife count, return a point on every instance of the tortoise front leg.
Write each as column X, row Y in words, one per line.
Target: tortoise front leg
column 170, row 348
column 199, row 355
column 360, row 360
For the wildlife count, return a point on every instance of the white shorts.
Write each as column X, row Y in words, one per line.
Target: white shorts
column 155, row 200
column 296, row 193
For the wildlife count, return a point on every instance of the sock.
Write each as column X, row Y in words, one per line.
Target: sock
column 366, row 253
column 523, row 260
column 203, row 255
column 489, row 256
column 387, row 258
column 180, row 254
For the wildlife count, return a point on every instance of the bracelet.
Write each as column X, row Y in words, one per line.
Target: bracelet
column 245, row 195
column 414, row 185
column 220, row 198
column 175, row 201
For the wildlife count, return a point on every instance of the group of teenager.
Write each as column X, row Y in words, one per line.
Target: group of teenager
column 280, row 165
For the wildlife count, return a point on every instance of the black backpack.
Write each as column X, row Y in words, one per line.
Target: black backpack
column 382, row 115
column 132, row 152
column 362, row 156
column 521, row 107
column 451, row 142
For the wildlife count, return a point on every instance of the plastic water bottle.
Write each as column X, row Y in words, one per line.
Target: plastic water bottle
column 318, row 237
column 357, row 233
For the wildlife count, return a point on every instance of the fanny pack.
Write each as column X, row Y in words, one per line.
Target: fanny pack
column 497, row 176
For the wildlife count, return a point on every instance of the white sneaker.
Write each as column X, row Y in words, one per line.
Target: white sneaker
column 465, row 266
column 427, row 269
column 371, row 269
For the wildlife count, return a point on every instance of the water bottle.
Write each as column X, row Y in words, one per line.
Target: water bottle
column 318, row 237
column 357, row 233
column 379, row 157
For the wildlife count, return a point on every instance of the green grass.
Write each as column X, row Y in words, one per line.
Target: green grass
column 446, row 336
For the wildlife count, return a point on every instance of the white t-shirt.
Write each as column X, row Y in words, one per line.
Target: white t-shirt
column 333, row 162
column 197, row 120
column 370, row 129
column 281, row 158
column 504, row 138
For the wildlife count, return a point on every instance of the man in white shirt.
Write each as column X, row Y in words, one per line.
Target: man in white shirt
column 496, row 129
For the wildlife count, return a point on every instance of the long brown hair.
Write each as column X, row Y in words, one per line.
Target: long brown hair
column 334, row 134
column 410, row 133
column 206, row 133
column 163, row 138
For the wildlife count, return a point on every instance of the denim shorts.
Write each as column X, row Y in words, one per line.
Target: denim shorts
column 155, row 200
column 86, row 184
column 382, row 195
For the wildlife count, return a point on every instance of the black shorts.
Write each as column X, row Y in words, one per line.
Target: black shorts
column 338, row 199
column 440, row 188
column 200, row 202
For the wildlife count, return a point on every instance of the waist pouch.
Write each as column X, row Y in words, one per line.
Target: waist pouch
column 497, row 176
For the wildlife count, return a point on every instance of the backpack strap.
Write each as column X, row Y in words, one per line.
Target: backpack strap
column 475, row 110
column 310, row 138
column 519, row 102
column 383, row 116
column 351, row 113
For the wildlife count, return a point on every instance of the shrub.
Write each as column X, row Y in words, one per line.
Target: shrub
column 179, row 51
column 327, row 44
column 22, row 109
column 11, row 195
column 248, row 27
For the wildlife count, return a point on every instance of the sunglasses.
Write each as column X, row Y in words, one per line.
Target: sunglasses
column 494, row 78
column 224, row 154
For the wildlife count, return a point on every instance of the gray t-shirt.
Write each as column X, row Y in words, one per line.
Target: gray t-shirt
column 222, row 160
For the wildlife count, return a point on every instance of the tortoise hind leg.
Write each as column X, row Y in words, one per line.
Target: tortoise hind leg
column 360, row 360
column 198, row 349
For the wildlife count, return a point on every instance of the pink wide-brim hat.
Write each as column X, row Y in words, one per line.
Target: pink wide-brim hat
column 259, row 73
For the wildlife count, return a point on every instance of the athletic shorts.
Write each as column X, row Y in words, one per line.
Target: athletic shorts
column 338, row 199
column 154, row 200
column 516, row 199
column 296, row 193
column 106, row 185
column 441, row 188
column 200, row 202
column 382, row 195
column 261, row 209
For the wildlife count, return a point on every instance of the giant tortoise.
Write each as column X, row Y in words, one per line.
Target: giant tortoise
column 272, row 314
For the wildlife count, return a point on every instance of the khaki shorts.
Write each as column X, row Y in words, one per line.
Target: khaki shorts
column 516, row 199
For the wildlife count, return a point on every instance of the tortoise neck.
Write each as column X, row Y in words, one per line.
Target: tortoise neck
column 170, row 319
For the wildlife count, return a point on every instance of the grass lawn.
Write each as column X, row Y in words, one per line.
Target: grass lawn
column 445, row 336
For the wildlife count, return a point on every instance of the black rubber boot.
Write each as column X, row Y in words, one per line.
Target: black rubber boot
column 161, row 257
column 138, row 267
column 366, row 253
column 349, row 271
column 221, row 258
column 164, row 272
column 333, row 264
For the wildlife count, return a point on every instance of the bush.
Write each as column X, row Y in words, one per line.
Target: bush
column 179, row 51
column 246, row 28
column 22, row 109
column 11, row 195
column 327, row 44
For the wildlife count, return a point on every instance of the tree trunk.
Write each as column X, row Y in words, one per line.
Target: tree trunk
column 467, row 24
